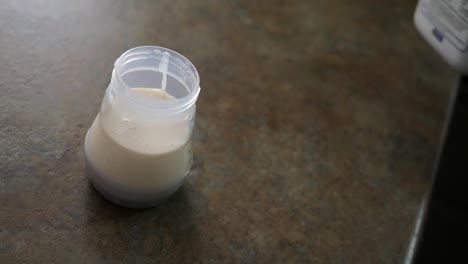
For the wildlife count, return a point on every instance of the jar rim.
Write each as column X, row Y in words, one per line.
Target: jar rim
column 142, row 52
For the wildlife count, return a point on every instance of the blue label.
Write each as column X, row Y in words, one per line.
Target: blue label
column 438, row 35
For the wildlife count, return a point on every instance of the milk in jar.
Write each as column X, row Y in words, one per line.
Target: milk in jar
column 138, row 148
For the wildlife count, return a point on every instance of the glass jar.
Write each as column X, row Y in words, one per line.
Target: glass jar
column 138, row 149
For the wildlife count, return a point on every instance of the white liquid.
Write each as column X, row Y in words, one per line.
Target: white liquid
column 139, row 154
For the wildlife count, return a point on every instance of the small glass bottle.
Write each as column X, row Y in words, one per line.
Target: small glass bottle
column 138, row 149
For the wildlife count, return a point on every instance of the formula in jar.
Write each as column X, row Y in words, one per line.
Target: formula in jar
column 138, row 148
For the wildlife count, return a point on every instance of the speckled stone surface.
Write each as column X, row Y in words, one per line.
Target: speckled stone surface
column 316, row 131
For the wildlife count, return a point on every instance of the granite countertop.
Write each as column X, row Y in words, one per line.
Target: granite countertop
column 316, row 133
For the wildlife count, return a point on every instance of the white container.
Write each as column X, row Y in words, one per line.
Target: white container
column 138, row 149
column 444, row 24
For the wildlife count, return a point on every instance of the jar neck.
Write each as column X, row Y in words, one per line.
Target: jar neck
column 140, row 61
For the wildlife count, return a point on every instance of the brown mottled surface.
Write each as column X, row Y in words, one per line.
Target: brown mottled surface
column 316, row 131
